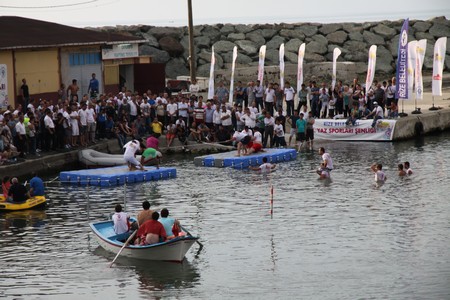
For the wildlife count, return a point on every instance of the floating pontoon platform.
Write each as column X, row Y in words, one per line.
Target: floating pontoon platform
column 229, row 159
column 113, row 176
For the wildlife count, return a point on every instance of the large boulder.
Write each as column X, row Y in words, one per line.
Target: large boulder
column 202, row 42
column 316, row 47
column 338, row 37
column 272, row 57
column 384, row 60
column 292, row 34
column 307, row 30
column 372, row 39
column 422, row 26
column 356, row 36
column 352, row 27
column 236, row 36
column 160, row 32
column 424, row 35
column 329, row 28
column 243, row 28
column 356, row 51
column 198, row 30
column 248, row 47
column 268, row 33
column 227, row 29
column 384, row 31
column 429, row 56
column 203, row 70
column 313, row 57
column 275, row 42
column 439, row 30
column 256, row 37
column 171, row 45
column 211, row 32
column 176, row 67
column 240, row 59
column 223, row 46
column 292, row 45
column 205, row 57
column 151, row 40
column 159, row 56
column 291, row 57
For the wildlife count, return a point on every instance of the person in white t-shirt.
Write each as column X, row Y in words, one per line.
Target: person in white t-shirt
column 194, row 88
column 269, row 98
column 265, row 168
column 91, row 123
column 83, row 125
column 380, row 177
column 326, row 157
column 279, row 140
column 120, row 220
column 129, row 156
column 377, row 114
column 289, row 93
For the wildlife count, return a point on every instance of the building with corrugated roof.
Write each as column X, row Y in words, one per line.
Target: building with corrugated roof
column 48, row 54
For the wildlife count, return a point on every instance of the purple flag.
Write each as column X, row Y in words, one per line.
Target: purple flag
column 402, row 63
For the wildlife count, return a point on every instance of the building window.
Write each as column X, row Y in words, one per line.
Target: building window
column 79, row 59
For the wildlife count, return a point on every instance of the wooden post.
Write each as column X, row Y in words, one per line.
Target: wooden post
column 192, row 66
column 271, row 202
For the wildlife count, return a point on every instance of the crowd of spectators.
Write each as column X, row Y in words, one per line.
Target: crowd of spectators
column 70, row 123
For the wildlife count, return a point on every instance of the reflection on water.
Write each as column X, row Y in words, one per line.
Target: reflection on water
column 338, row 239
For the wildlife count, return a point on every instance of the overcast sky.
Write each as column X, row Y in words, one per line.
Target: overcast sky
column 82, row 13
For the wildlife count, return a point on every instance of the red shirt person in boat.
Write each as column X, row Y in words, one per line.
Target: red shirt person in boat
column 151, row 232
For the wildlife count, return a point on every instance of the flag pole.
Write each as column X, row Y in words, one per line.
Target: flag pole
column 433, row 107
column 403, row 114
column 416, row 110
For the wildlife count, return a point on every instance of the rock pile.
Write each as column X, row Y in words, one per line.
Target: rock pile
column 170, row 44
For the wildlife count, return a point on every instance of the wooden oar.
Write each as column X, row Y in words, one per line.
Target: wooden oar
column 185, row 230
column 123, row 247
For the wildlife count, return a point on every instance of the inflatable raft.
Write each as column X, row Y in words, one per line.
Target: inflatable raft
column 33, row 202
column 95, row 159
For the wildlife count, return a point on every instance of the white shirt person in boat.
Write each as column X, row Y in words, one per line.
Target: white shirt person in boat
column 120, row 220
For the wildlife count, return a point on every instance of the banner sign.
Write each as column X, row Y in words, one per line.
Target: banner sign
column 420, row 55
column 211, row 76
column 301, row 55
column 438, row 65
column 362, row 130
column 233, row 66
column 120, row 51
column 402, row 63
column 336, row 53
column 3, row 86
column 282, row 66
column 411, row 66
column 371, row 66
column 262, row 56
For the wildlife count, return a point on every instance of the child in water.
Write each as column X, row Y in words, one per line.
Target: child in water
column 380, row 177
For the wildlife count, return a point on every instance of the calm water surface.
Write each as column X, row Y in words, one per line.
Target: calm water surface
column 344, row 239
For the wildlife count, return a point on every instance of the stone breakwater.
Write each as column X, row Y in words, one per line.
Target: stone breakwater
column 170, row 45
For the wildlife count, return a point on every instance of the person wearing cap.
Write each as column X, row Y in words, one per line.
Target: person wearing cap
column 377, row 114
column 150, row 154
column 18, row 192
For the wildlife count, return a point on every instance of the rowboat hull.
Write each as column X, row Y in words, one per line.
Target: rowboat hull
column 173, row 250
column 31, row 203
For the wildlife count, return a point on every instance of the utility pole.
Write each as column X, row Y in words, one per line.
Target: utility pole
column 191, row 42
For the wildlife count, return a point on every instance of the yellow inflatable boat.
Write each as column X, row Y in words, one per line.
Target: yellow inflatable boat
column 33, row 202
